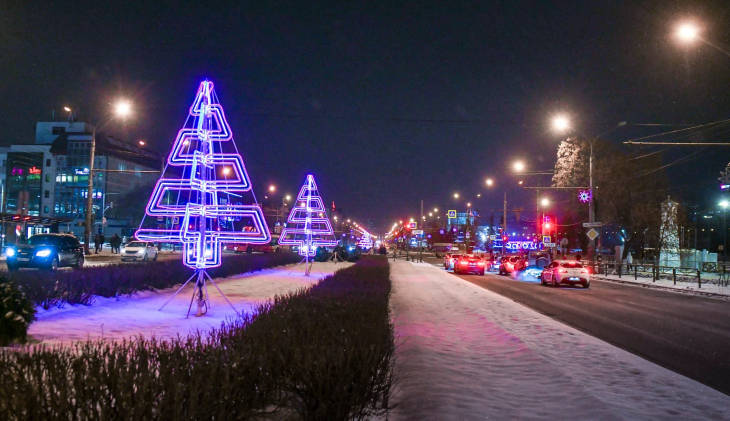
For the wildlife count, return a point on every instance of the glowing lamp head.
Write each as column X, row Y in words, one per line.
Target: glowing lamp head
column 456, row 195
column 490, row 182
column 67, row 109
column 226, row 170
column 544, row 202
column 687, row 32
column 561, row 123
column 724, row 204
column 519, row 166
column 123, row 108
column 272, row 188
column 287, row 198
column 141, row 143
column 435, row 209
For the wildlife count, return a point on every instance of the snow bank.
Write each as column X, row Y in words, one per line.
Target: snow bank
column 117, row 319
column 467, row 353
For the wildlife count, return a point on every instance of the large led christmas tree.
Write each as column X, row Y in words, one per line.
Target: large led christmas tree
column 308, row 226
column 365, row 242
column 199, row 201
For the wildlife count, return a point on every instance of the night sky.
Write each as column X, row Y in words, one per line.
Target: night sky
column 386, row 103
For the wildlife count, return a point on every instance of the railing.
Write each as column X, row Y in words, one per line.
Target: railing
column 656, row 272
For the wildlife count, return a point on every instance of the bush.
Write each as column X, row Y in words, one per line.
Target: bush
column 48, row 289
column 322, row 353
column 16, row 314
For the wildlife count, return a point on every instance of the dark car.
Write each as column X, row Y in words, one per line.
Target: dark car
column 46, row 251
column 469, row 263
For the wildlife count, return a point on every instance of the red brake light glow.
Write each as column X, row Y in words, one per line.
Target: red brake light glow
column 562, row 271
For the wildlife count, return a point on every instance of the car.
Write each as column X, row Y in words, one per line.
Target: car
column 46, row 251
column 566, row 272
column 139, row 250
column 450, row 259
column 510, row 264
column 468, row 263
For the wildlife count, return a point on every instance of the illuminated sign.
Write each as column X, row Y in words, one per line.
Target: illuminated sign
column 412, row 225
column 451, row 214
column 585, row 196
column 79, row 171
column 521, row 245
column 34, row 170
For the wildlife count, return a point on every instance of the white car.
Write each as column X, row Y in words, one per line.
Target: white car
column 139, row 250
column 565, row 272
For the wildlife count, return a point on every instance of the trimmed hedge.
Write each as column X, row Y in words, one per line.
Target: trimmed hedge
column 322, row 353
column 48, row 289
column 16, row 314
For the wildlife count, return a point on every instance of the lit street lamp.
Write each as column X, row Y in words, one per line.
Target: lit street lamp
column 688, row 32
column 562, row 124
column 122, row 109
column 724, row 205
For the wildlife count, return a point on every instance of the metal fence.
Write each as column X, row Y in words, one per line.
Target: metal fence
column 656, row 272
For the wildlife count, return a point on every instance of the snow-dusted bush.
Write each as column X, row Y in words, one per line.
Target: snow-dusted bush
column 322, row 353
column 16, row 313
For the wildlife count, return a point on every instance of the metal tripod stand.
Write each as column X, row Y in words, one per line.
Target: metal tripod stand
column 201, row 292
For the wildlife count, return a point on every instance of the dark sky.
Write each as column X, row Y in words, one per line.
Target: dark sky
column 387, row 103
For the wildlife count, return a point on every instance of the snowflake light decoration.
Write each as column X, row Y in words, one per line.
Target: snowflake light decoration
column 725, row 178
column 585, row 196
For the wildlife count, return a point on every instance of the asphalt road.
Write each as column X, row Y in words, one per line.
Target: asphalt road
column 686, row 333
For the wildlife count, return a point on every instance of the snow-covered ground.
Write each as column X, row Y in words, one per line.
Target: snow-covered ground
column 669, row 284
column 468, row 353
column 139, row 315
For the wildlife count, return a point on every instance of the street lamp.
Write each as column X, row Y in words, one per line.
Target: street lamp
column 456, row 195
column 272, row 188
column 544, row 202
column 724, row 205
column 519, row 166
column 562, row 124
column 689, row 32
column 122, row 109
column 489, row 182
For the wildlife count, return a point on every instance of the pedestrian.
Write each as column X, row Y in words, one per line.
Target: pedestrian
column 395, row 251
column 115, row 242
column 577, row 257
column 101, row 242
column 629, row 261
column 96, row 243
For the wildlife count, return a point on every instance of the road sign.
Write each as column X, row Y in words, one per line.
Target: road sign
column 417, row 232
column 592, row 224
column 546, row 239
column 451, row 214
column 548, row 244
column 564, row 242
column 592, row 234
column 492, row 237
column 413, row 225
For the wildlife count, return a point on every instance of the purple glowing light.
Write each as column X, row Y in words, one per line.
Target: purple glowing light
column 200, row 194
column 305, row 228
column 585, row 196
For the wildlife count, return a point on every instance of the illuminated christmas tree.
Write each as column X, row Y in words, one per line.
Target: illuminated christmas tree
column 365, row 242
column 199, row 200
column 308, row 226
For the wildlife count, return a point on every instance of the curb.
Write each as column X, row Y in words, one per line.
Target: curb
column 664, row 288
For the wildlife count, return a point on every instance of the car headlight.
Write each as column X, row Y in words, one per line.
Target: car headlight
column 141, row 251
column 43, row 253
column 10, row 252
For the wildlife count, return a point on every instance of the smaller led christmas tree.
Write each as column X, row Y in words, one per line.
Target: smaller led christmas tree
column 365, row 242
column 308, row 226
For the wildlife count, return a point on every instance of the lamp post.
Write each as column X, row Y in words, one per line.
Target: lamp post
column 122, row 109
column 724, row 205
column 688, row 32
column 562, row 124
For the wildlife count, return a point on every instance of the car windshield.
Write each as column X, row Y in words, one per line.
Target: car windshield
column 137, row 244
column 43, row 240
column 571, row 265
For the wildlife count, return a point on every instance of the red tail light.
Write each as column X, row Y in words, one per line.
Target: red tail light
column 562, row 271
column 585, row 271
column 481, row 263
column 464, row 262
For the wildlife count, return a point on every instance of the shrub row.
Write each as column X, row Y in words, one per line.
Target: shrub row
column 48, row 289
column 322, row 353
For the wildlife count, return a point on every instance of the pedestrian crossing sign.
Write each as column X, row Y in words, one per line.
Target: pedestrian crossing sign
column 546, row 239
column 451, row 214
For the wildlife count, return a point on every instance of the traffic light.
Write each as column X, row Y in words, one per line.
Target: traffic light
column 504, row 238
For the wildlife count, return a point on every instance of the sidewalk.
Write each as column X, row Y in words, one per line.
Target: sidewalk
column 467, row 353
column 668, row 284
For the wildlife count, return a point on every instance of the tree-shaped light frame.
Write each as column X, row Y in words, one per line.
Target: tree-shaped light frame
column 308, row 226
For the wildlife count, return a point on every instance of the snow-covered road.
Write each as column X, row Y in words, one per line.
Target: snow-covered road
column 467, row 353
column 138, row 315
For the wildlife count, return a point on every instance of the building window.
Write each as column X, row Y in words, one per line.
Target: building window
column 48, row 162
column 59, row 130
column 47, row 194
column 48, row 178
column 45, row 209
